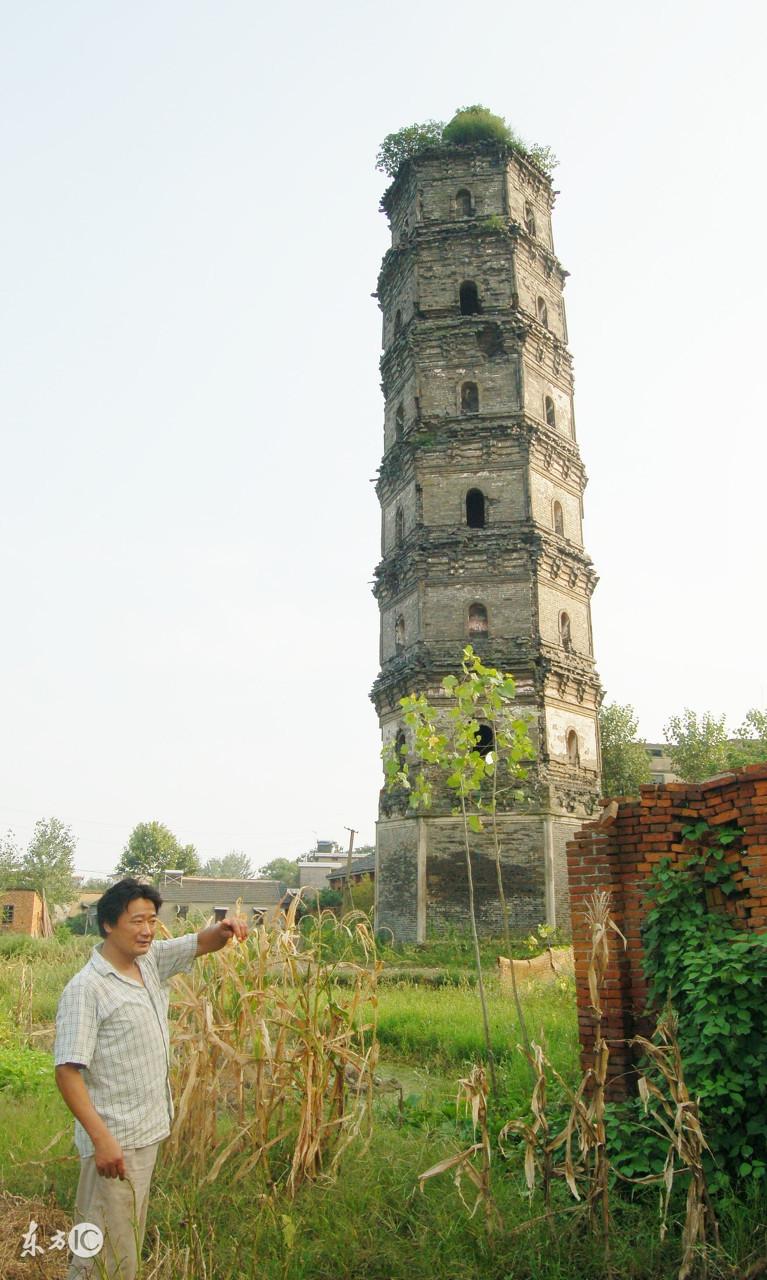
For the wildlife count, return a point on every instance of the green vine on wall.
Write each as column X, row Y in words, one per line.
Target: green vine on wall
column 714, row 972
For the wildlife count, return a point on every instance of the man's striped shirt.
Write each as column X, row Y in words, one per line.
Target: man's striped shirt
column 117, row 1030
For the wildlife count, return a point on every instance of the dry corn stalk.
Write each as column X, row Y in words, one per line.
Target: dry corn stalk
column 22, row 1010
column 272, row 1054
column 585, row 1166
column 472, row 1090
column 676, row 1114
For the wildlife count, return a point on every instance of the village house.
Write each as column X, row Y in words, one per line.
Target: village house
column 361, row 867
column 184, row 896
column 24, row 911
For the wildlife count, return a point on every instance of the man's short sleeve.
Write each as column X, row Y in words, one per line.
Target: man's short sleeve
column 76, row 1026
column 174, row 955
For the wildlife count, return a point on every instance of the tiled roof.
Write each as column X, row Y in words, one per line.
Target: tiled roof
column 360, row 866
column 221, row 892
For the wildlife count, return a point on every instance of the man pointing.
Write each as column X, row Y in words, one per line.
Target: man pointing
column 112, row 1058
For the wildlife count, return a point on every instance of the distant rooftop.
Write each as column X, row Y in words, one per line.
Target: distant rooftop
column 207, row 889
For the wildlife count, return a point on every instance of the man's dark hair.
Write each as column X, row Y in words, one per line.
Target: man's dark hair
column 111, row 904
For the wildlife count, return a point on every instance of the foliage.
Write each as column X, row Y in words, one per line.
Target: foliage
column 453, row 946
column 233, row 866
column 495, row 223
column 476, row 124
column 697, row 745
column 448, row 749
column 406, row 143
column 314, row 903
column 266, row 1034
column 585, row 1167
column 750, row 743
column 714, row 974
column 151, row 849
column 542, row 157
column 368, row 1223
column 9, row 861
column 361, row 897
column 469, row 126
column 47, row 866
column 95, row 884
column 284, row 869
column 439, row 1029
column 625, row 764
column 23, row 1071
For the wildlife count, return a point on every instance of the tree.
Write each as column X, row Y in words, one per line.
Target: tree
column 749, row 746
column 697, row 745
column 362, row 896
column 233, row 866
column 48, row 865
column 405, row 143
column 151, row 849
column 9, row 862
column 95, row 884
column 454, row 753
column 625, row 763
column 283, row 869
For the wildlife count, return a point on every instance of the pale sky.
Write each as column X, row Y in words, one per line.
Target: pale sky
column 190, row 399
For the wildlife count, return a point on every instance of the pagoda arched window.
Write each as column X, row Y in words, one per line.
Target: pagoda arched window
column 478, row 625
column 469, row 298
column 565, row 633
column 475, row 509
column 469, row 397
column 463, row 203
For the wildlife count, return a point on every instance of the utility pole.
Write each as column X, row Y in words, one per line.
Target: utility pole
column 352, row 834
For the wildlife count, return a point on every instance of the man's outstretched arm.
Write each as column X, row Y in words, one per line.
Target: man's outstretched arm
column 217, row 935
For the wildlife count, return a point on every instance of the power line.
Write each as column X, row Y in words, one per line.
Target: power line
column 129, row 822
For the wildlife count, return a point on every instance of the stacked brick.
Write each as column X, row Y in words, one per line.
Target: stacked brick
column 617, row 853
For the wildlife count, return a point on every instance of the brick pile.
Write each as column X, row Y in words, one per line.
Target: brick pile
column 618, row 852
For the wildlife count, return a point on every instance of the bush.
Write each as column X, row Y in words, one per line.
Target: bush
column 476, row 124
column 24, row 1071
column 715, row 974
column 468, row 126
column 406, row 143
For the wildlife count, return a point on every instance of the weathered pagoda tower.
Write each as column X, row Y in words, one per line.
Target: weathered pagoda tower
column 481, row 497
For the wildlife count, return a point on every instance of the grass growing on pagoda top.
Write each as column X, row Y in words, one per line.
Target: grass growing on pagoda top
column 470, row 126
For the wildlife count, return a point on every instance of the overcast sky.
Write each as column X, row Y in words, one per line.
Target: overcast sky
column 190, row 400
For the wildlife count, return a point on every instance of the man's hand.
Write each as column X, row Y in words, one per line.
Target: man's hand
column 109, row 1158
column 217, row 935
column 231, row 927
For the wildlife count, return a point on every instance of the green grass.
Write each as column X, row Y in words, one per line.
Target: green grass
column 442, row 1027
column 372, row 1222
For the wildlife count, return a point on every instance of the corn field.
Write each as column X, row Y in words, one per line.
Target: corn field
column 274, row 1053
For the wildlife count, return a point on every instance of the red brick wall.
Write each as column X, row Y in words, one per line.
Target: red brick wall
column 27, row 911
column 617, row 853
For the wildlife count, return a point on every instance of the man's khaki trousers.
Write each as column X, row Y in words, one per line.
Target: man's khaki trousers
column 119, row 1209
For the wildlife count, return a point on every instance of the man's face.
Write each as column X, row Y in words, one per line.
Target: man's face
column 135, row 929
